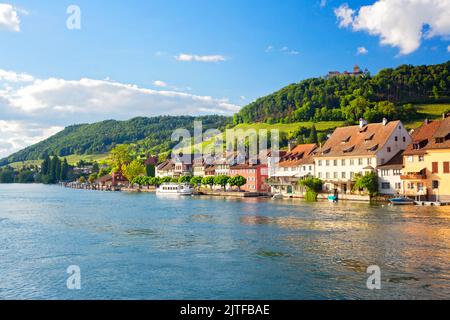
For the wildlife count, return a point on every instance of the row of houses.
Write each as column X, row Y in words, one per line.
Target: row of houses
column 416, row 164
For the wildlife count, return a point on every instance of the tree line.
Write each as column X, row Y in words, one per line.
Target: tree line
column 392, row 93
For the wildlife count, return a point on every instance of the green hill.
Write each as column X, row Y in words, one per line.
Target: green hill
column 152, row 135
column 348, row 98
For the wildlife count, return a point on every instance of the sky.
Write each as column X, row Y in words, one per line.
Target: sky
column 68, row 62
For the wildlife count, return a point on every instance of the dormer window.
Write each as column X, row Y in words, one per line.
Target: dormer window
column 373, row 148
column 346, row 139
column 370, row 137
column 348, row 150
column 440, row 140
column 326, row 151
column 416, row 146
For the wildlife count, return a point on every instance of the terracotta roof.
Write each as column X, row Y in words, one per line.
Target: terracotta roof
column 300, row 155
column 104, row 179
column 357, row 141
column 425, row 137
column 395, row 163
column 166, row 166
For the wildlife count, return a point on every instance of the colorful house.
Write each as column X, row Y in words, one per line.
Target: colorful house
column 255, row 174
column 426, row 173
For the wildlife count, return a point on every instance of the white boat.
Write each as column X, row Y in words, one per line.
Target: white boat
column 175, row 189
column 277, row 196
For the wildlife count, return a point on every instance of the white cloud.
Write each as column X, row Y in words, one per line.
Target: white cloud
column 9, row 19
column 160, row 83
column 286, row 50
column 344, row 15
column 269, row 49
column 31, row 111
column 11, row 76
column 399, row 23
column 323, row 3
column 16, row 135
column 362, row 51
column 448, row 48
column 190, row 57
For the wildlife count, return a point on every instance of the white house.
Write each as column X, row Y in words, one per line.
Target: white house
column 389, row 176
column 358, row 150
column 295, row 165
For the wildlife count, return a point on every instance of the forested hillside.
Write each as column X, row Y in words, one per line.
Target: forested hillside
column 153, row 134
column 391, row 93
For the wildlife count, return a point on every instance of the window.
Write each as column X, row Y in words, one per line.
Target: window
column 398, row 186
column 352, row 174
column 435, row 184
column 369, row 161
column 389, row 149
column 335, row 175
column 327, row 163
column 397, row 172
column 410, row 159
column 421, row 158
column 384, row 173
column 420, row 187
column 396, row 138
column 446, row 167
column 343, row 175
column 310, row 168
column 335, row 163
column 435, row 166
column 328, row 175
column 352, row 162
column 320, row 163
column 360, row 161
column 410, row 185
column 385, row 185
column 404, row 139
column 320, row 175
column 343, row 162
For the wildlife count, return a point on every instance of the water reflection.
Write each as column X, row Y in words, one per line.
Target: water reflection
column 139, row 246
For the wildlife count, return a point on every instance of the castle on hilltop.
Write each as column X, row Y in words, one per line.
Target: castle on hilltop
column 356, row 72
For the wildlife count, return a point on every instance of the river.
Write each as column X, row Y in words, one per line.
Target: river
column 140, row 246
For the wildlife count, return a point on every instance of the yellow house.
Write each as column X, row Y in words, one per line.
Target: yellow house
column 426, row 172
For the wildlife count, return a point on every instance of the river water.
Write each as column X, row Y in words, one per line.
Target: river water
column 140, row 246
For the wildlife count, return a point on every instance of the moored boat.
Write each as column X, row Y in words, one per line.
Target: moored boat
column 402, row 201
column 175, row 189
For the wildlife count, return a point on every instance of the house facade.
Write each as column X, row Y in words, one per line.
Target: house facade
column 426, row 173
column 389, row 176
column 358, row 150
column 293, row 166
column 255, row 174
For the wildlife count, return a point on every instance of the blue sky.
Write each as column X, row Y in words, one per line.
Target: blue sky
column 260, row 46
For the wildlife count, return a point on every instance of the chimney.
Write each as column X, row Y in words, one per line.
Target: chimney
column 362, row 123
column 291, row 146
column 385, row 121
column 426, row 121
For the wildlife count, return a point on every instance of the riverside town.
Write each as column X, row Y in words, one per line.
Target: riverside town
column 202, row 156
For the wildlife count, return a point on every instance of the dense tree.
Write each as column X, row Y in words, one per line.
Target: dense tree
column 367, row 182
column 237, row 181
column 222, row 181
column 132, row 170
column 349, row 98
column 208, row 181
